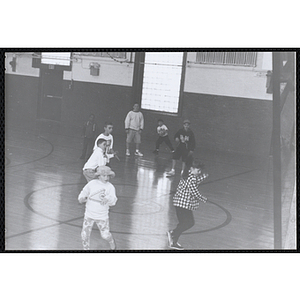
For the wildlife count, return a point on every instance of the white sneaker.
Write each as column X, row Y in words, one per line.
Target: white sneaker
column 138, row 153
column 127, row 152
column 176, row 246
column 171, row 173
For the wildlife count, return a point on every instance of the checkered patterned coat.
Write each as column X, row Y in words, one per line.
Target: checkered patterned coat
column 187, row 194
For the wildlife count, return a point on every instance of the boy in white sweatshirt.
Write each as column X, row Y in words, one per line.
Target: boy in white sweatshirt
column 134, row 124
column 97, row 159
column 106, row 135
column 99, row 195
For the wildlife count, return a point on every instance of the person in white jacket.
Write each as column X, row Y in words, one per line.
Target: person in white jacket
column 97, row 159
column 98, row 195
column 106, row 135
column 134, row 125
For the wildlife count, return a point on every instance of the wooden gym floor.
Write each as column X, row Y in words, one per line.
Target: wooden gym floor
column 43, row 177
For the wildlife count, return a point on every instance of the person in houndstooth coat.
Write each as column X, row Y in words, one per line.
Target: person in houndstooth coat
column 186, row 199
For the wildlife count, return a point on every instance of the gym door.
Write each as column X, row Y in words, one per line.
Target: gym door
column 51, row 83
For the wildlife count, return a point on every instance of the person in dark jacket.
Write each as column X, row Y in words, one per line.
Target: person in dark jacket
column 186, row 144
column 88, row 134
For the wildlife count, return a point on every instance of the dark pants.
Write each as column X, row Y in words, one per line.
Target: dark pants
column 165, row 139
column 185, row 221
column 87, row 150
column 181, row 152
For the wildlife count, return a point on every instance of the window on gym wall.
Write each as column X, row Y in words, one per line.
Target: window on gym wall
column 247, row 59
column 162, row 81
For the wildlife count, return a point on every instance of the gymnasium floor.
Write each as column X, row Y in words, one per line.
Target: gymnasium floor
column 44, row 177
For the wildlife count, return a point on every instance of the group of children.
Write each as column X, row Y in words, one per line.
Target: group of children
column 99, row 194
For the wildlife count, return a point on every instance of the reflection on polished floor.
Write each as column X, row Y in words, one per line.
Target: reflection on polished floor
column 44, row 177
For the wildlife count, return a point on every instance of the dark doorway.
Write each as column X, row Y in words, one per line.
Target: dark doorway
column 50, row 100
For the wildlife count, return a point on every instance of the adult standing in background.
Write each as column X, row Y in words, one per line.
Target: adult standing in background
column 88, row 133
column 134, row 125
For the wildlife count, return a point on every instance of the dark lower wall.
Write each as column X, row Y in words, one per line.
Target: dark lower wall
column 219, row 123
column 223, row 123
column 21, row 99
column 106, row 102
column 80, row 99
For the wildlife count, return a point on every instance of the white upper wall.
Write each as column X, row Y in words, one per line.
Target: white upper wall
column 224, row 80
column 23, row 64
column 110, row 71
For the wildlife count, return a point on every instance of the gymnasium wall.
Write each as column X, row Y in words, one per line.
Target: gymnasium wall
column 107, row 102
column 219, row 122
column 21, row 100
column 222, row 123
column 239, row 121
column 110, row 71
column 232, row 81
column 80, row 99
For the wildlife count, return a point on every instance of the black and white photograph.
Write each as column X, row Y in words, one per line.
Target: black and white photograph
column 149, row 150
column 171, row 150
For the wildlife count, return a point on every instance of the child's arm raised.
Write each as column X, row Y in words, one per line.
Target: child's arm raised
column 202, row 177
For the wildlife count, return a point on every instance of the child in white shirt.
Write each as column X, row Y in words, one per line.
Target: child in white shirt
column 97, row 159
column 106, row 135
column 162, row 131
column 99, row 195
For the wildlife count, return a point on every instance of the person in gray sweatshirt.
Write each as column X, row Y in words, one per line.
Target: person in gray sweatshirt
column 134, row 125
